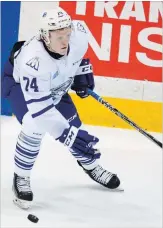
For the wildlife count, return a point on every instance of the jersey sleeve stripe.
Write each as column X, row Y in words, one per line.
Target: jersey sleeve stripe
column 43, row 111
column 39, row 100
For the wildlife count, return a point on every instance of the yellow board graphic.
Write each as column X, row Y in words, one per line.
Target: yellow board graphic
column 148, row 115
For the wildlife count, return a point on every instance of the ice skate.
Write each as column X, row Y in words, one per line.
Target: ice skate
column 103, row 177
column 23, row 196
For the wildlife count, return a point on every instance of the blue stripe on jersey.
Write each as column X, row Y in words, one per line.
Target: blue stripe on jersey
column 42, row 111
column 39, row 100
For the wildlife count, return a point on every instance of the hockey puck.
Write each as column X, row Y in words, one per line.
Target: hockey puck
column 33, row 218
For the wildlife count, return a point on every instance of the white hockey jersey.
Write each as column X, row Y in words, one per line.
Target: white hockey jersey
column 44, row 80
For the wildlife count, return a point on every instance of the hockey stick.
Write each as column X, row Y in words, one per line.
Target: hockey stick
column 123, row 117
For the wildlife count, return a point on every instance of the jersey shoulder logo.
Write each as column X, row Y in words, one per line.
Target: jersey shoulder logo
column 81, row 28
column 33, row 63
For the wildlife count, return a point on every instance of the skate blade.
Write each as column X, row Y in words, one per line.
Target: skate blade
column 23, row 204
column 116, row 190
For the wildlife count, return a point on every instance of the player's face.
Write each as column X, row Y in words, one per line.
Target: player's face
column 59, row 40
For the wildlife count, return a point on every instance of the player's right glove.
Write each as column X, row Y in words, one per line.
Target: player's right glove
column 80, row 142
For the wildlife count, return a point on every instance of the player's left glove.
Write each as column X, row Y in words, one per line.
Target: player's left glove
column 84, row 79
column 80, row 142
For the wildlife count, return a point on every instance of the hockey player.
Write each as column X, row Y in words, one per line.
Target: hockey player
column 36, row 82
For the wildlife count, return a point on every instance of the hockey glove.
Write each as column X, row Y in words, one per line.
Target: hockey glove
column 80, row 142
column 84, row 79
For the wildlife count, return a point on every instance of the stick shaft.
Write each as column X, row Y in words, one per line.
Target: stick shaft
column 122, row 116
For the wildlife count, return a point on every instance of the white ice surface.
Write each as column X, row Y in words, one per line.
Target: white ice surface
column 64, row 196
